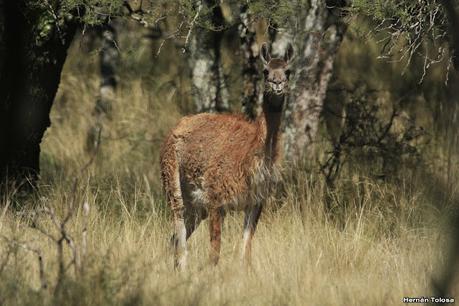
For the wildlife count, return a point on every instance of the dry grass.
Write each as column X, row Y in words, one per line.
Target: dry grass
column 385, row 241
column 299, row 257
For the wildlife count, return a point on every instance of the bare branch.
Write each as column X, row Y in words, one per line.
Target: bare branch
column 188, row 35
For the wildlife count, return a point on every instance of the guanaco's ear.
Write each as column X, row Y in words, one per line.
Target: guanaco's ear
column 265, row 56
column 288, row 56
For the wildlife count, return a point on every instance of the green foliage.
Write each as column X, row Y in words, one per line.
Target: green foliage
column 377, row 9
column 57, row 13
column 45, row 27
column 277, row 12
column 407, row 28
column 95, row 11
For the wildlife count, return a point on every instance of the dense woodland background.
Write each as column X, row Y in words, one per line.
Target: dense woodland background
column 366, row 210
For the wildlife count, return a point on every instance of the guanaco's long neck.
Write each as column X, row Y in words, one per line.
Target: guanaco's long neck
column 270, row 119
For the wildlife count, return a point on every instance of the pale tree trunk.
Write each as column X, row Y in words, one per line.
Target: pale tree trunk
column 252, row 91
column 316, row 37
column 109, row 59
column 208, row 85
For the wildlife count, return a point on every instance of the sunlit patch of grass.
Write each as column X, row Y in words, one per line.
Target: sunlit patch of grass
column 300, row 256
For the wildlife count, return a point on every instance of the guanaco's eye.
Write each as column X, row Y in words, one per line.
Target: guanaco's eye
column 265, row 72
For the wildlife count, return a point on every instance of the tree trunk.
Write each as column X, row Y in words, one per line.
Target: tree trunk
column 447, row 276
column 453, row 23
column 208, row 85
column 34, row 51
column 316, row 38
column 252, row 92
column 109, row 59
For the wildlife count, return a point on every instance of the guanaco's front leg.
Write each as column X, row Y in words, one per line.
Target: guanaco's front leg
column 252, row 215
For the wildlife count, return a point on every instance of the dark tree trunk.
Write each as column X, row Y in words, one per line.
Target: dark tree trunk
column 443, row 285
column 316, row 37
column 208, row 85
column 33, row 53
column 453, row 23
column 109, row 59
column 252, row 92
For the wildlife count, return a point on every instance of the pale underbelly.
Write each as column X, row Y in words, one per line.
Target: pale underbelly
column 256, row 192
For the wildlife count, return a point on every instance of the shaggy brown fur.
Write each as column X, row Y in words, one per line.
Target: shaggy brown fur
column 216, row 154
column 211, row 162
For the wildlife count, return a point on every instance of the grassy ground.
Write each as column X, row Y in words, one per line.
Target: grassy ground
column 300, row 257
column 384, row 241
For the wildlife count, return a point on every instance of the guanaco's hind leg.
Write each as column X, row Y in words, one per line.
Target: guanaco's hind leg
column 191, row 219
column 215, row 230
column 179, row 240
column 170, row 171
column 252, row 215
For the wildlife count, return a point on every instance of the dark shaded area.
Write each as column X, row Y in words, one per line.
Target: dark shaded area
column 453, row 21
column 443, row 286
column 33, row 55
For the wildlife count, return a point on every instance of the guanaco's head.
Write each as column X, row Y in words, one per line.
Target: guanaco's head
column 276, row 70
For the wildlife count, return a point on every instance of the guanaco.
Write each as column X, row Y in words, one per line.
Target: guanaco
column 211, row 163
